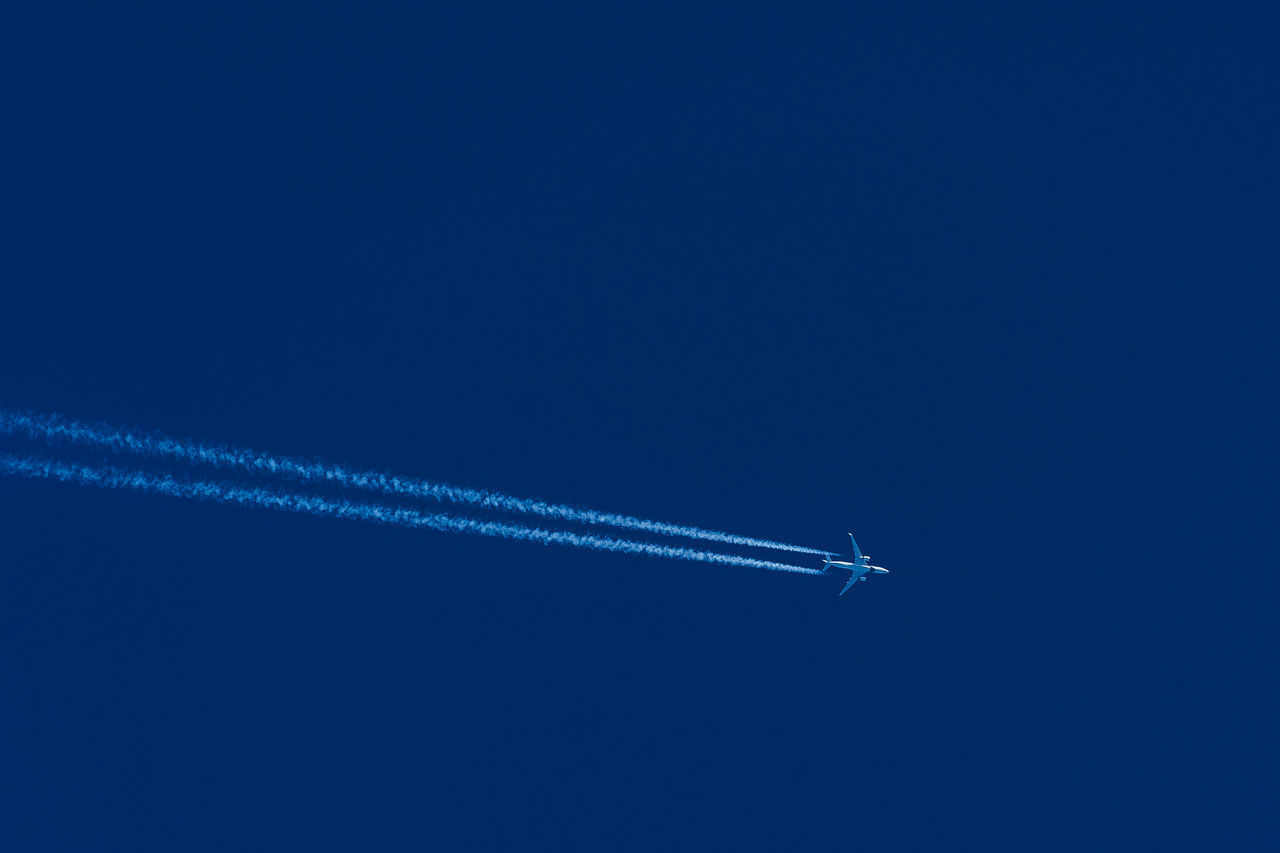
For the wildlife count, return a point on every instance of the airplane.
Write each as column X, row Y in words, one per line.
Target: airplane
column 859, row 568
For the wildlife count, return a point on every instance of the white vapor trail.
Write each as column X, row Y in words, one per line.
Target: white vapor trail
column 108, row 477
column 53, row 429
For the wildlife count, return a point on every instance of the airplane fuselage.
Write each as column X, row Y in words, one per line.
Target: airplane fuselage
column 857, row 568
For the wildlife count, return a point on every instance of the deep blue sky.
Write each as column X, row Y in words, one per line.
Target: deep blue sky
column 990, row 286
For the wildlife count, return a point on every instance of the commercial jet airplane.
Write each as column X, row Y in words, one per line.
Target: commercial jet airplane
column 859, row 568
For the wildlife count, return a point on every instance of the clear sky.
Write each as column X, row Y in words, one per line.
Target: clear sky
column 992, row 286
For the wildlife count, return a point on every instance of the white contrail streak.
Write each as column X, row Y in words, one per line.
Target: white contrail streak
column 108, row 477
column 53, row 429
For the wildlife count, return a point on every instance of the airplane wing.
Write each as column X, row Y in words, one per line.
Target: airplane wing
column 856, row 553
column 852, row 580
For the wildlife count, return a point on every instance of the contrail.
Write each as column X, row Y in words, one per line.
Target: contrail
column 108, row 477
column 53, row 428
